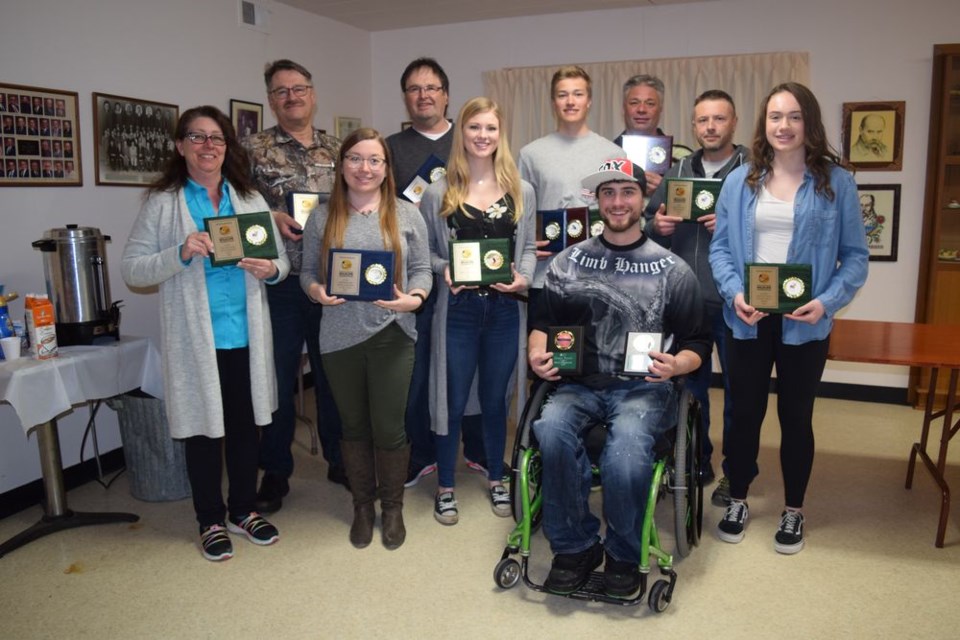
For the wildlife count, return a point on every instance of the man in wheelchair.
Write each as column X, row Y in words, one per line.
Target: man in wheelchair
column 620, row 288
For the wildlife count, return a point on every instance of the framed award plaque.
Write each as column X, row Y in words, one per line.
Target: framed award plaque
column 480, row 262
column 778, row 288
column 636, row 356
column 248, row 235
column 650, row 153
column 690, row 198
column 300, row 204
column 358, row 274
column 566, row 344
column 550, row 227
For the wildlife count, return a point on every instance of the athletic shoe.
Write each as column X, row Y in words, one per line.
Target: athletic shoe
column 721, row 495
column 789, row 538
column 255, row 527
column 734, row 520
column 706, row 473
column 479, row 468
column 500, row 501
column 620, row 579
column 272, row 490
column 215, row 544
column 414, row 474
column 445, row 508
column 570, row 571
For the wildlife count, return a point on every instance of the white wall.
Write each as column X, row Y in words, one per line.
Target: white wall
column 184, row 52
column 860, row 50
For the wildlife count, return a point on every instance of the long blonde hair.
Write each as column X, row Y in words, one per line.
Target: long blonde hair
column 338, row 209
column 458, row 171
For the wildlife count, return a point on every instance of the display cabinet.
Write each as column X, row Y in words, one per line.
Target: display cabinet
column 938, row 287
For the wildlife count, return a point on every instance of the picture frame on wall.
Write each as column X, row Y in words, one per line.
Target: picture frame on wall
column 880, row 209
column 40, row 135
column 247, row 117
column 133, row 139
column 873, row 135
column 344, row 126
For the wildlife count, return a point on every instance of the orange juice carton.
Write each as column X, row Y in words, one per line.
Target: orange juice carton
column 41, row 328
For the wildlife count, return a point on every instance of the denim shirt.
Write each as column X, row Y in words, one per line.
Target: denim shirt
column 827, row 234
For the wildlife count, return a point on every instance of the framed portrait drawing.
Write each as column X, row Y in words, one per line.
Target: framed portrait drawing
column 132, row 140
column 40, row 133
column 247, row 117
column 880, row 209
column 345, row 126
column 873, row 135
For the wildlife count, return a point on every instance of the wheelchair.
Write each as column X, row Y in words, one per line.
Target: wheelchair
column 676, row 473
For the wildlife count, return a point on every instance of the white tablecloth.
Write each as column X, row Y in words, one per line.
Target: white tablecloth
column 41, row 390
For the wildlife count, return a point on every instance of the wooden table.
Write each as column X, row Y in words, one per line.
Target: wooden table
column 914, row 345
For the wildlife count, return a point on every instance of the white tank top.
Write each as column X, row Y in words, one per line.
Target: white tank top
column 774, row 228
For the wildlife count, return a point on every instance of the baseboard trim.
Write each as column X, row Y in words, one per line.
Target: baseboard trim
column 843, row 391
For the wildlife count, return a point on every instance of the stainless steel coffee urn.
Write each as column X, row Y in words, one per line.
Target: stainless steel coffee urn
column 75, row 269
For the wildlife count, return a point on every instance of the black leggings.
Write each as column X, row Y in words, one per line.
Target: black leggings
column 799, row 368
column 240, row 444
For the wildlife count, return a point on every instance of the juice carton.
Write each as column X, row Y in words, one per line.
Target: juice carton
column 41, row 328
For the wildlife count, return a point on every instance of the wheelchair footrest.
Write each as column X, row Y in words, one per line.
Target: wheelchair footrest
column 593, row 590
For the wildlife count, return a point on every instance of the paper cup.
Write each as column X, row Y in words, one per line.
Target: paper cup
column 11, row 347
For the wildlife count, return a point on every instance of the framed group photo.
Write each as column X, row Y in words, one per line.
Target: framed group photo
column 880, row 209
column 247, row 117
column 133, row 139
column 873, row 135
column 41, row 137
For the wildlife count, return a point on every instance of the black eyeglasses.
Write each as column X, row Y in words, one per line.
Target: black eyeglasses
column 201, row 138
column 298, row 90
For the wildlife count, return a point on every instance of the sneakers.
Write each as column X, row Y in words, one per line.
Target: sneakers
column 620, row 579
column 272, row 490
column 500, row 501
column 255, row 527
column 706, row 473
column 445, row 508
column 570, row 571
column 734, row 520
column 481, row 469
column 215, row 544
column 721, row 495
column 414, row 474
column 789, row 538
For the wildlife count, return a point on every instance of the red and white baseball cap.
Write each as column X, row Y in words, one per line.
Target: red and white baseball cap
column 615, row 170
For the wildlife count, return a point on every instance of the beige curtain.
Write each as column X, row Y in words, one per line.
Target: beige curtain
column 524, row 93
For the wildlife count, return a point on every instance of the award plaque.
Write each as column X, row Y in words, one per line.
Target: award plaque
column 566, row 344
column 778, row 288
column 356, row 274
column 248, row 235
column 551, row 225
column 429, row 172
column 651, row 153
column 576, row 225
column 480, row 262
column 300, row 204
column 636, row 357
column 596, row 222
column 690, row 198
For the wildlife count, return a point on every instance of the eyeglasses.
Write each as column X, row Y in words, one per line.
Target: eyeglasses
column 430, row 89
column 216, row 139
column 355, row 162
column 298, row 90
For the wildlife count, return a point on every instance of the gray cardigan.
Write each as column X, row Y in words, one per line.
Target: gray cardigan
column 355, row 321
column 191, row 380
column 525, row 257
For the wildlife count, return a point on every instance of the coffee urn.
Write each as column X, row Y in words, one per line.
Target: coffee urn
column 75, row 269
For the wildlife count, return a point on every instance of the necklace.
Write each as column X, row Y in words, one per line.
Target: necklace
column 364, row 212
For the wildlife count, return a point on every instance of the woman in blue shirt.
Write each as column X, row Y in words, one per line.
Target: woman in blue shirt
column 217, row 346
column 793, row 204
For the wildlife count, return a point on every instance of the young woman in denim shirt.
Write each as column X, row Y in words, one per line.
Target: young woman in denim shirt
column 793, row 204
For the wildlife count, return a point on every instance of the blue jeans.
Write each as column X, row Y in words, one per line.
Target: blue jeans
column 295, row 319
column 636, row 413
column 483, row 328
column 699, row 385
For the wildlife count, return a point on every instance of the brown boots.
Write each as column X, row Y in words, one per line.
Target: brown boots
column 361, row 472
column 392, row 472
column 363, row 468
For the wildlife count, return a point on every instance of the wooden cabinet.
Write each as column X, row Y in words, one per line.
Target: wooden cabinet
column 938, row 288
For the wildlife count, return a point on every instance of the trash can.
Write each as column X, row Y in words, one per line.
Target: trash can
column 156, row 463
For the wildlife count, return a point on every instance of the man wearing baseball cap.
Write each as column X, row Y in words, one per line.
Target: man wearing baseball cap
column 624, row 291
